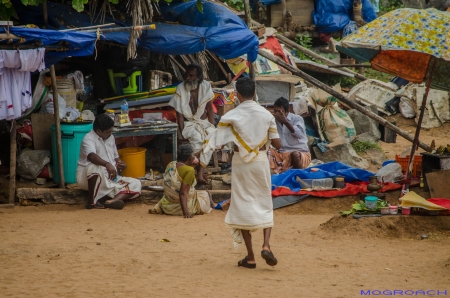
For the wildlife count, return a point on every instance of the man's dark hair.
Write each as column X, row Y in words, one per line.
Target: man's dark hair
column 283, row 103
column 103, row 122
column 184, row 152
column 198, row 70
column 246, row 87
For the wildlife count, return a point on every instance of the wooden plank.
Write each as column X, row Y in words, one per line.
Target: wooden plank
column 78, row 196
column 42, row 136
column 438, row 183
column 12, row 163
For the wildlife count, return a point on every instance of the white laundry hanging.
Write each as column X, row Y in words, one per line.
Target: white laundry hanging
column 15, row 80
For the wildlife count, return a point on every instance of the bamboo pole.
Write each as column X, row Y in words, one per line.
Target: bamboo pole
column 317, row 56
column 120, row 29
column 220, row 66
column 12, row 163
column 89, row 27
column 248, row 20
column 283, row 15
column 343, row 99
column 62, row 183
column 350, row 65
column 45, row 12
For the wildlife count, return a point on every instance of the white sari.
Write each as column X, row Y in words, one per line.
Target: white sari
column 195, row 129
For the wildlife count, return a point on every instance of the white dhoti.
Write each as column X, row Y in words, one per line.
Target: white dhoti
column 251, row 204
column 195, row 129
column 105, row 186
column 196, row 132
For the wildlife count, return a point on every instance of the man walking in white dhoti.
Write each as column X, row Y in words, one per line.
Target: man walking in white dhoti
column 98, row 165
column 195, row 114
column 252, row 129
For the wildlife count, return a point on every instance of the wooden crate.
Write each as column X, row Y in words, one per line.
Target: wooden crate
column 301, row 12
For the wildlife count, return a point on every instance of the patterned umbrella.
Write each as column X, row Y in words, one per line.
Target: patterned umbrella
column 410, row 43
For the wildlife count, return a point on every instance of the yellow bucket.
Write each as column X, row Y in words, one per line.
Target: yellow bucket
column 134, row 157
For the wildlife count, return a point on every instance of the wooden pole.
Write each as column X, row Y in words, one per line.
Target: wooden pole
column 248, row 20
column 45, row 12
column 343, row 99
column 283, row 15
column 314, row 55
column 12, row 163
column 62, row 182
column 220, row 66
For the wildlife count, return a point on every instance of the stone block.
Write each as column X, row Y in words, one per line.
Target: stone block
column 366, row 137
column 344, row 153
column 364, row 123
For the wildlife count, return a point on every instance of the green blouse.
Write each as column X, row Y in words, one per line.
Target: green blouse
column 187, row 174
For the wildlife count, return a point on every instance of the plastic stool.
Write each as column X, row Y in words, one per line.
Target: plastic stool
column 134, row 82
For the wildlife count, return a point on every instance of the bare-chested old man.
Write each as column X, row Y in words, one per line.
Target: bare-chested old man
column 195, row 114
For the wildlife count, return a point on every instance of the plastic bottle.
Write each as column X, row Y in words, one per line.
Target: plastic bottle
column 110, row 113
column 322, row 183
column 124, row 107
column 124, row 112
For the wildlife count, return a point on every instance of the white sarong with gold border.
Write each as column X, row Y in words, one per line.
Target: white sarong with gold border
column 250, row 127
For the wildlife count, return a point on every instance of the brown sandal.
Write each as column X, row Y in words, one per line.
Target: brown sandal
column 244, row 263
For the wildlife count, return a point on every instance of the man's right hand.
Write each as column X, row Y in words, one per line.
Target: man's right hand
column 111, row 171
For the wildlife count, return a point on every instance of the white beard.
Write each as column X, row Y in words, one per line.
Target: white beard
column 190, row 85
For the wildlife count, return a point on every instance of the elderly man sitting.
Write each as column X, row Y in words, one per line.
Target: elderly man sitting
column 98, row 168
column 294, row 152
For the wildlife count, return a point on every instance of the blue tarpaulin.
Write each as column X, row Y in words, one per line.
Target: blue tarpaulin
column 217, row 29
column 327, row 170
column 333, row 15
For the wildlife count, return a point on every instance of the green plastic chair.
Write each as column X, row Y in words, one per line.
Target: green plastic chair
column 134, row 82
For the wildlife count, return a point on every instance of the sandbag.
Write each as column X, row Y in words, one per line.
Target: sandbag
column 334, row 122
column 31, row 163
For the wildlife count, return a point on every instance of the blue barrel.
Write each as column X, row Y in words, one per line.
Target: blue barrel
column 72, row 135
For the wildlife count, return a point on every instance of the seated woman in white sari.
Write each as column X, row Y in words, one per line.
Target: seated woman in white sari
column 180, row 196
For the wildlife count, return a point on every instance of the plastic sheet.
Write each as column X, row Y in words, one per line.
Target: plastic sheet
column 333, row 15
column 217, row 29
column 326, row 170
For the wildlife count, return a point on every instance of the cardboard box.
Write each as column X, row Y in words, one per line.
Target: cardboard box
column 42, row 136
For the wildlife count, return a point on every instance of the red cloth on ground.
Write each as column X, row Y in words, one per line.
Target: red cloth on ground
column 273, row 45
column 441, row 202
column 349, row 190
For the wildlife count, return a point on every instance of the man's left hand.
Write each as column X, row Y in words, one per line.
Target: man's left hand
column 121, row 165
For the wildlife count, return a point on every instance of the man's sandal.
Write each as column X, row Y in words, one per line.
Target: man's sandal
column 95, row 206
column 269, row 257
column 244, row 263
column 115, row 205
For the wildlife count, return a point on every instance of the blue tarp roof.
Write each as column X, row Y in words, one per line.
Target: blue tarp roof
column 217, row 29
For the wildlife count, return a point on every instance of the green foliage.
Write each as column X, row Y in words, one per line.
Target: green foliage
column 390, row 5
column 199, row 6
column 360, row 208
column 235, row 4
column 361, row 147
column 305, row 41
column 377, row 75
column 6, row 10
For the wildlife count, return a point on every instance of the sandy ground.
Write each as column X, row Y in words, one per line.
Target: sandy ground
column 67, row 251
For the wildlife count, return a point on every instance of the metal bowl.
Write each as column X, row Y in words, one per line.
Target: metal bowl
column 156, row 188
